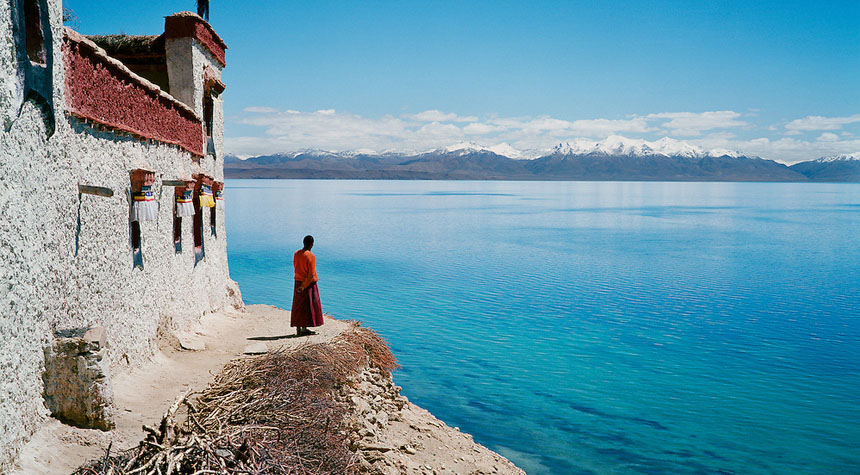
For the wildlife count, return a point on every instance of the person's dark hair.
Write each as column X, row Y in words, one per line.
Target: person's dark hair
column 308, row 241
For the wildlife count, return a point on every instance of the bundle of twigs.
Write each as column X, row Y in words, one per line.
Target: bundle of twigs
column 274, row 414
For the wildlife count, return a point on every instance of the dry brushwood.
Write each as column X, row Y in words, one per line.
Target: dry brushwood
column 273, row 414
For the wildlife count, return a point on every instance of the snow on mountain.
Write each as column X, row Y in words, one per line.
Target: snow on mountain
column 576, row 147
column 610, row 146
column 313, row 152
column 361, row 151
column 844, row 157
column 618, row 145
column 316, row 152
column 506, row 150
column 464, row 148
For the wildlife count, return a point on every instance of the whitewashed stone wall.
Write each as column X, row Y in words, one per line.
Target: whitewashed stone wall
column 186, row 62
column 8, row 69
column 66, row 259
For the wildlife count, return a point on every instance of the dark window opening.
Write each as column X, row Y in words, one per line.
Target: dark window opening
column 137, row 253
column 35, row 40
column 212, row 221
column 177, row 232
column 208, row 107
column 199, row 252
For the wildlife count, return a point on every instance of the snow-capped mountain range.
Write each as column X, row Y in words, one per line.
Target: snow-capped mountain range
column 618, row 145
column 613, row 158
column 502, row 149
column 610, row 146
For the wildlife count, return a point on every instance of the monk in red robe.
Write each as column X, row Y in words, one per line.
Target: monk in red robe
column 307, row 310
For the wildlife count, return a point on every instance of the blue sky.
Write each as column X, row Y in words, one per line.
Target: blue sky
column 776, row 79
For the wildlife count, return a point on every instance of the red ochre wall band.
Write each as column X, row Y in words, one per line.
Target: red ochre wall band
column 106, row 93
column 181, row 26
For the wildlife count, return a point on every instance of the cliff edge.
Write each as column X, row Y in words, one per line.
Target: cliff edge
column 384, row 432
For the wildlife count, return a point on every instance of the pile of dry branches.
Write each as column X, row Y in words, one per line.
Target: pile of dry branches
column 274, row 414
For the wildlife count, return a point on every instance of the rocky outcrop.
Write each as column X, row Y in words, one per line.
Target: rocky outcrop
column 394, row 436
column 234, row 296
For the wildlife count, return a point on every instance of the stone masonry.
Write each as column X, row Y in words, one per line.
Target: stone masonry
column 77, row 380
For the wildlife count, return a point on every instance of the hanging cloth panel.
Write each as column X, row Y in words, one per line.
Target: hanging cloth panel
column 219, row 199
column 145, row 208
column 206, row 199
column 185, row 204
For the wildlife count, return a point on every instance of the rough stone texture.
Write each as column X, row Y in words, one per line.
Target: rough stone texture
column 78, row 387
column 234, row 295
column 394, row 436
column 126, row 101
column 186, row 62
column 257, row 348
column 67, row 258
column 188, row 24
column 190, row 343
column 10, row 82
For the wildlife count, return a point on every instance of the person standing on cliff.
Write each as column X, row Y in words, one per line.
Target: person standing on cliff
column 307, row 310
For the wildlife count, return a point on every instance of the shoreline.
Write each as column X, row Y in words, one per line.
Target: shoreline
column 392, row 434
column 541, row 179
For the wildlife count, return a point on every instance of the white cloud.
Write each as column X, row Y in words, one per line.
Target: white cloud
column 260, row 110
column 478, row 128
column 689, row 124
column 817, row 122
column 328, row 129
column 439, row 116
column 784, row 149
column 601, row 127
column 439, row 131
column 565, row 128
column 331, row 130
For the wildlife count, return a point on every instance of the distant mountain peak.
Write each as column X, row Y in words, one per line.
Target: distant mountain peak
column 842, row 157
column 462, row 148
column 619, row 145
column 465, row 146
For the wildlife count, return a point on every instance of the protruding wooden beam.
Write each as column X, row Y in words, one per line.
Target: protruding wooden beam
column 95, row 190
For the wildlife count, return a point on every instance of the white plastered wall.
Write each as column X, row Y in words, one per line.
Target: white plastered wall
column 9, row 81
column 66, row 259
column 186, row 61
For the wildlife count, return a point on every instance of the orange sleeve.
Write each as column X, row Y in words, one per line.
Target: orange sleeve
column 311, row 270
column 300, row 265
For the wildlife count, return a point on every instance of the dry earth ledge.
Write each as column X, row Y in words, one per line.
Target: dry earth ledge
column 390, row 434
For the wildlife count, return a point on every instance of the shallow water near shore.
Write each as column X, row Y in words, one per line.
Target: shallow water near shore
column 592, row 327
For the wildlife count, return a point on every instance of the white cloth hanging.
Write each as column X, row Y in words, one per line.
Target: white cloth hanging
column 185, row 204
column 144, row 208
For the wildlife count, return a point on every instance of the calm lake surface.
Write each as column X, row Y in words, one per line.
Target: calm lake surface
column 592, row 327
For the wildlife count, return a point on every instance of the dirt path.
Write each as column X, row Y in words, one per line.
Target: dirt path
column 144, row 394
column 394, row 435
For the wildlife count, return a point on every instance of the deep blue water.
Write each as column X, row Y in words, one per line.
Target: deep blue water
column 590, row 327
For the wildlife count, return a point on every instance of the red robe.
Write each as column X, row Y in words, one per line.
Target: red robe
column 307, row 309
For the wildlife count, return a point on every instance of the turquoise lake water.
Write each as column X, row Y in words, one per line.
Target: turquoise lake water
column 592, row 327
